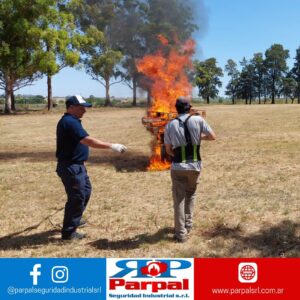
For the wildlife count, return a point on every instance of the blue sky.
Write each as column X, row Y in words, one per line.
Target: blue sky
column 229, row 29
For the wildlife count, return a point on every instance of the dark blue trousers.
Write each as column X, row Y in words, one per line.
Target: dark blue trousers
column 78, row 188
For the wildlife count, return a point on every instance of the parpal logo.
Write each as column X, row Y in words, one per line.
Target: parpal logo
column 150, row 275
column 154, row 268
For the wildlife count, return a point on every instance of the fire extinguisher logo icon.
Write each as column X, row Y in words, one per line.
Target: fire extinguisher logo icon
column 154, row 269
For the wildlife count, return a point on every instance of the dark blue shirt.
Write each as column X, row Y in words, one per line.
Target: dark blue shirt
column 69, row 133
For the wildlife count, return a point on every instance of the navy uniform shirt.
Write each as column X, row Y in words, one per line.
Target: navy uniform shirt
column 69, row 133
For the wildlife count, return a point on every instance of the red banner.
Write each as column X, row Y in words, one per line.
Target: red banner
column 247, row 278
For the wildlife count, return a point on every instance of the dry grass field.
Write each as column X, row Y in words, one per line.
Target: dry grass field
column 248, row 200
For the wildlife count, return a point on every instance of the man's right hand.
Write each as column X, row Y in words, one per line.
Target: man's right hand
column 118, row 148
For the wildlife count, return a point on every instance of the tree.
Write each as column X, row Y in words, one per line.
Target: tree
column 246, row 88
column 295, row 73
column 173, row 19
column 136, row 27
column 276, row 67
column 232, row 86
column 289, row 88
column 127, row 36
column 207, row 78
column 60, row 41
column 21, row 56
column 100, row 62
column 100, row 55
column 259, row 74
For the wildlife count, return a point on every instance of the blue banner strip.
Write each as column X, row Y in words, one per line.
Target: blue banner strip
column 53, row 278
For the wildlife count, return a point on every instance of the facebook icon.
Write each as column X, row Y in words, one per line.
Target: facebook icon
column 35, row 273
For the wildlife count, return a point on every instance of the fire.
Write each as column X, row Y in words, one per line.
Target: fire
column 167, row 71
column 155, row 161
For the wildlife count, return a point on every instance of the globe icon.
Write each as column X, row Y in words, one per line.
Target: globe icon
column 247, row 272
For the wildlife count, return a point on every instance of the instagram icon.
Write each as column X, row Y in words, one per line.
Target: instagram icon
column 60, row 274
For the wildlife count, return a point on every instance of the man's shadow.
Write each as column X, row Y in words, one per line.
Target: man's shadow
column 277, row 240
column 19, row 241
column 134, row 242
column 16, row 241
column 130, row 161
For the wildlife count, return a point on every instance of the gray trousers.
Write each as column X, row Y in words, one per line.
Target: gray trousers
column 184, row 185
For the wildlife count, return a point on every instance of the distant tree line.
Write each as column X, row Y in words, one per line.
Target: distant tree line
column 261, row 78
column 105, row 37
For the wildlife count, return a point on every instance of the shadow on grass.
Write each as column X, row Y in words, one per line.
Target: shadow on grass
column 18, row 242
column 274, row 241
column 128, row 162
column 39, row 156
column 135, row 242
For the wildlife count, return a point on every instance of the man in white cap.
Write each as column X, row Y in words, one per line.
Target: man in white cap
column 182, row 139
column 72, row 151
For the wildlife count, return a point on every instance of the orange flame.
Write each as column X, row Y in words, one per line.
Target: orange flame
column 155, row 161
column 167, row 71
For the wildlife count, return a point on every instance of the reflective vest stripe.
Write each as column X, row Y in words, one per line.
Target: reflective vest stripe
column 195, row 156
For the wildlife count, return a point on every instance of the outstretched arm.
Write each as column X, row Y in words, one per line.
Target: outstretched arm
column 95, row 143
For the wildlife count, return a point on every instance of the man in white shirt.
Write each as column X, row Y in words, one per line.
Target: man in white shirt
column 182, row 140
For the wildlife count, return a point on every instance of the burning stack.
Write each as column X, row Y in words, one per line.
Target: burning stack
column 167, row 71
column 155, row 122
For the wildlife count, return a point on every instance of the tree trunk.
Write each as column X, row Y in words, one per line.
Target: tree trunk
column 232, row 99
column 8, row 92
column 107, row 96
column 134, row 91
column 13, row 100
column 273, row 92
column 207, row 100
column 49, row 86
column 7, row 109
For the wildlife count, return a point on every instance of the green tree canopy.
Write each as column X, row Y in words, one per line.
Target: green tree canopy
column 207, row 78
column 21, row 56
column 60, row 41
column 295, row 73
column 100, row 55
column 259, row 66
column 233, row 73
column 275, row 62
column 174, row 19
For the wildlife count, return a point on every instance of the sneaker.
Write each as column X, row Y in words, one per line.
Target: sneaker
column 73, row 236
column 82, row 223
column 188, row 230
column 180, row 240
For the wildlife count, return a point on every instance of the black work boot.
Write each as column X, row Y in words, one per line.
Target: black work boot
column 73, row 236
column 82, row 223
